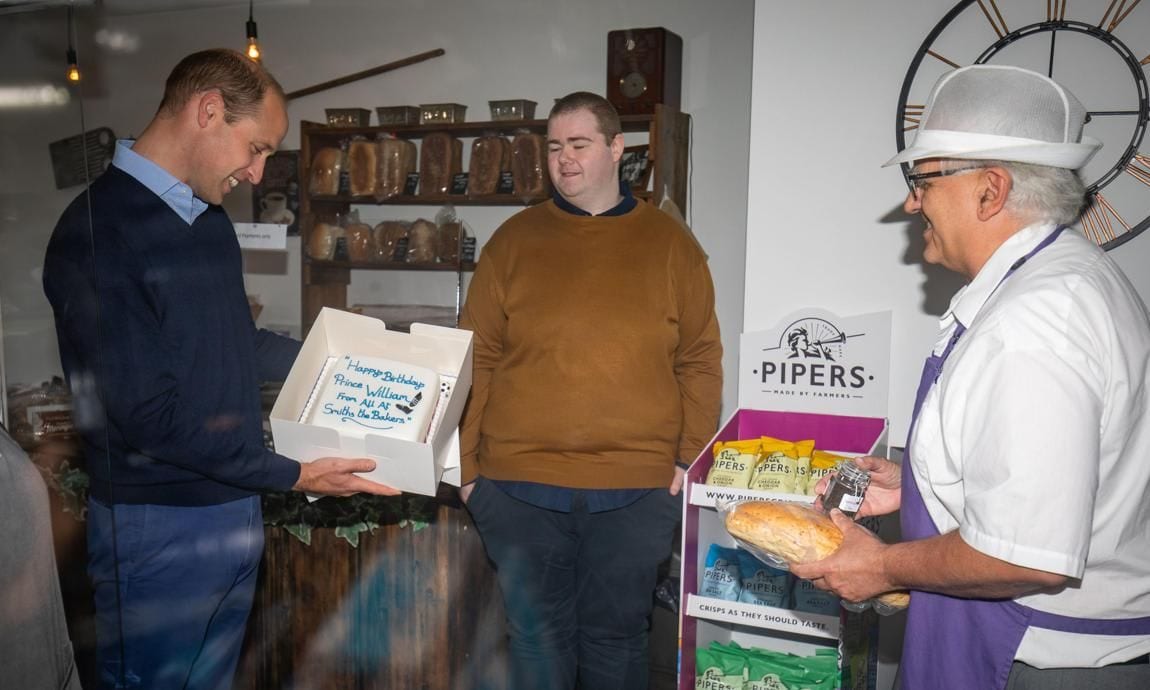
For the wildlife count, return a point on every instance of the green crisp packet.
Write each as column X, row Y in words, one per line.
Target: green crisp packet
column 719, row 669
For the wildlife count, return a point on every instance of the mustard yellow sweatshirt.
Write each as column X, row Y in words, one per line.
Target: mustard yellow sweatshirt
column 597, row 352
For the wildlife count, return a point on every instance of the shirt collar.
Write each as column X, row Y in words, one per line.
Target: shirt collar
column 177, row 195
column 968, row 301
column 619, row 209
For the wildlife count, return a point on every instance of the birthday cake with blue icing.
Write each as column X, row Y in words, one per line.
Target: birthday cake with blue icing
column 359, row 395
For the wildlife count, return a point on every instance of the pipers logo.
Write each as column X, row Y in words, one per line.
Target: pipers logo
column 818, row 362
column 814, row 338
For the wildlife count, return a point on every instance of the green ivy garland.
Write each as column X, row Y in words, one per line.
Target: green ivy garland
column 348, row 517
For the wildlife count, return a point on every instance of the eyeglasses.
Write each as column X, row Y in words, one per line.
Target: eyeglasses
column 915, row 180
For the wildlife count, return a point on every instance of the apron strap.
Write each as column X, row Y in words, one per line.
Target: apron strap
column 1088, row 626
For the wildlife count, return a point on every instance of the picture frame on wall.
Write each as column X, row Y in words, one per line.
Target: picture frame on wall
column 635, row 166
column 276, row 198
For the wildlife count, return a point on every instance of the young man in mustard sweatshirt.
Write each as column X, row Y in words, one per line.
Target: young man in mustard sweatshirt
column 597, row 374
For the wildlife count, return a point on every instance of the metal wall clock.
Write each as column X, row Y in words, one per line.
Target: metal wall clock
column 1099, row 49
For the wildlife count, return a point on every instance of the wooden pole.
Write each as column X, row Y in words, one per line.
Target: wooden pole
column 365, row 73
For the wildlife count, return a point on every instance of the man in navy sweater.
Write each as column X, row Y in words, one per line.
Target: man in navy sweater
column 156, row 338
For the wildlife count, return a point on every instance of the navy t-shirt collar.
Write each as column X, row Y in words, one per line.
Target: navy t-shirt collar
column 625, row 206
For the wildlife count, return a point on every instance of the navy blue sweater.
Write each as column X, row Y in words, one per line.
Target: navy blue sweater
column 158, row 344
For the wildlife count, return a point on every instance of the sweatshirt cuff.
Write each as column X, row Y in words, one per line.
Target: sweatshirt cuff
column 468, row 469
column 283, row 472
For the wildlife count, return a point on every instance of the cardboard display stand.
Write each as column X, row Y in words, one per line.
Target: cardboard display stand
column 815, row 376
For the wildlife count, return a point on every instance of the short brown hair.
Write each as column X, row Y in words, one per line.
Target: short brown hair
column 241, row 82
column 605, row 113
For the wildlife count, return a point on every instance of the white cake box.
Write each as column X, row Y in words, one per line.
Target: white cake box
column 406, row 465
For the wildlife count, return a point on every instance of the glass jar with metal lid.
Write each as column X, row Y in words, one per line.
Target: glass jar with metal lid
column 846, row 489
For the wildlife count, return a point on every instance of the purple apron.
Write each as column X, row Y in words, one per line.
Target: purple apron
column 969, row 644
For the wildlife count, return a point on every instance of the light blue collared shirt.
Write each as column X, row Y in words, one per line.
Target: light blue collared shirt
column 177, row 195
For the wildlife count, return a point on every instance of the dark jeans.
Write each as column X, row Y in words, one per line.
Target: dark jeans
column 187, row 577
column 578, row 587
column 1130, row 676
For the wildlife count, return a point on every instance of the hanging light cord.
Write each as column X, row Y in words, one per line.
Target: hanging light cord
column 73, row 65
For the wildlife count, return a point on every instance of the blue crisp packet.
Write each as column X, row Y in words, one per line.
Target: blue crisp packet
column 763, row 584
column 814, row 600
column 721, row 575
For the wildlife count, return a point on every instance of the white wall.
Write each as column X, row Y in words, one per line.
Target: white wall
column 495, row 49
column 824, row 221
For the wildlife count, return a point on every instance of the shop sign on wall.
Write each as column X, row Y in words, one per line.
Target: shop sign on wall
column 815, row 361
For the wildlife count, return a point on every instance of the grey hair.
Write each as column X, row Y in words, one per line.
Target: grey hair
column 1039, row 193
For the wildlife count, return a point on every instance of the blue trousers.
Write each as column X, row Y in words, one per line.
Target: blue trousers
column 578, row 587
column 187, row 578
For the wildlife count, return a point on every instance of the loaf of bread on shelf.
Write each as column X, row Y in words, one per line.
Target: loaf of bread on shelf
column 321, row 241
column 363, row 167
column 490, row 156
column 440, row 159
column 387, row 236
column 325, row 169
column 360, row 244
column 396, row 161
column 795, row 533
column 422, row 242
column 450, row 235
column 529, row 165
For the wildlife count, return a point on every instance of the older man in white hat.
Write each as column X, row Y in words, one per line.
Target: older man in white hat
column 1025, row 504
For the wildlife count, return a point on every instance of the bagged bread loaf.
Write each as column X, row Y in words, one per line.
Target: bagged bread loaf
column 422, row 242
column 529, row 165
column 325, row 169
column 396, row 161
column 360, row 245
column 789, row 531
column 387, row 236
column 363, row 167
column 782, row 533
column 897, row 600
column 321, row 241
column 440, row 159
column 490, row 156
column 450, row 235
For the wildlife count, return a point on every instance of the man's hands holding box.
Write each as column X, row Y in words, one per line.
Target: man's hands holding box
column 337, row 477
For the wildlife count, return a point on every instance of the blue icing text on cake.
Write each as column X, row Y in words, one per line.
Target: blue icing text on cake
column 362, row 395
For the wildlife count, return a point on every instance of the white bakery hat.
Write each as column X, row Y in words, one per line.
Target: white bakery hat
column 1000, row 112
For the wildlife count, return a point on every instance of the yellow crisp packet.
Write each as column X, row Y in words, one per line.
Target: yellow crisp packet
column 734, row 462
column 803, row 465
column 822, row 463
column 777, row 469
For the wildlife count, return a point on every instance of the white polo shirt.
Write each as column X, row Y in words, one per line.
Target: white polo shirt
column 1035, row 442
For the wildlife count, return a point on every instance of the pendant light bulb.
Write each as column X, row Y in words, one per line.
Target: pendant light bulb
column 253, row 36
column 253, row 48
column 73, row 67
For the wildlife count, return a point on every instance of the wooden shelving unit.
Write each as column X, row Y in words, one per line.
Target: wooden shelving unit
column 325, row 282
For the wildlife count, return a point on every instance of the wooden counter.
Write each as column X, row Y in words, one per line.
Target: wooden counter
column 406, row 609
